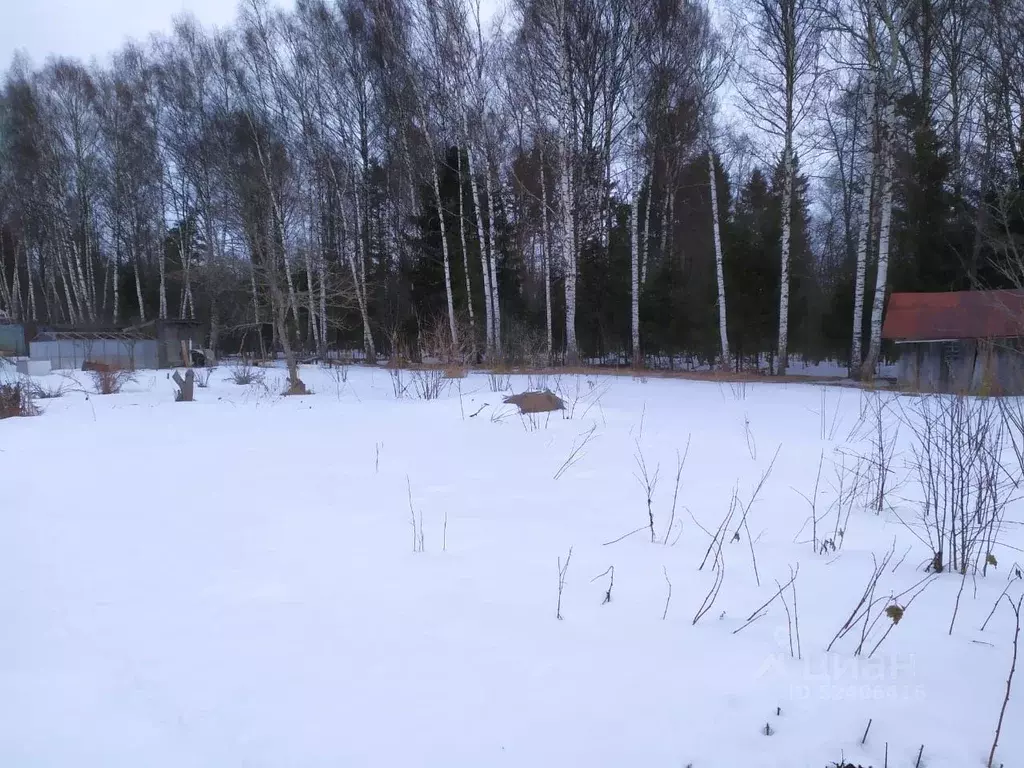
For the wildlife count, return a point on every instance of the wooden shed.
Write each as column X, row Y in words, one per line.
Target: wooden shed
column 176, row 340
column 966, row 342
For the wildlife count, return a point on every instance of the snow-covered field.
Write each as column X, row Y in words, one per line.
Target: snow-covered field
column 233, row 582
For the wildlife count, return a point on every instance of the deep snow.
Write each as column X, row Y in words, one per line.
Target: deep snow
column 232, row 582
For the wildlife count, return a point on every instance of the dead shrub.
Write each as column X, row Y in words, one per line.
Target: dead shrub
column 109, row 380
column 435, row 341
column 398, row 383
column 338, row 371
column 48, row 392
column 430, row 384
column 16, row 400
column 965, row 483
column 245, row 374
column 524, row 347
column 400, row 355
column 202, row 376
column 499, row 381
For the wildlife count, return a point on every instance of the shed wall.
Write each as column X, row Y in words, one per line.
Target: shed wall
column 170, row 336
column 967, row 367
column 12, row 339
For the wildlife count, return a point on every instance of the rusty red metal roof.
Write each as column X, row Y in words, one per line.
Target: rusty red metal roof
column 954, row 315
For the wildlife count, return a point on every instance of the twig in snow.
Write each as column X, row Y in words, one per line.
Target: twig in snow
column 625, row 536
column 611, row 583
column 643, row 416
column 796, row 619
column 417, row 528
column 648, row 482
column 758, row 612
column 813, row 503
column 576, row 453
column 716, row 587
column 562, row 570
column 719, row 536
column 789, row 619
column 867, row 615
column 376, row 460
column 909, row 547
column 668, row 598
column 751, row 442
column 956, row 605
column 865, row 737
column 444, row 534
column 917, row 763
column 746, row 512
column 876, row 574
column 894, row 611
column 1009, row 680
column 680, row 462
column 996, row 605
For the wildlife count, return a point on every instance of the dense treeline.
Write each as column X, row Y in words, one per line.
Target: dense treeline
column 572, row 178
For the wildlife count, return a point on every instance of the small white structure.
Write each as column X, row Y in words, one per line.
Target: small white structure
column 27, row 367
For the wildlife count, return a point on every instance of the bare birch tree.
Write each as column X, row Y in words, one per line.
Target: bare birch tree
column 778, row 84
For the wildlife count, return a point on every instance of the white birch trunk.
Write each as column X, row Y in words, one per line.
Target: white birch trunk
column 663, row 235
column 255, row 299
column 565, row 126
column 360, row 285
column 484, row 261
column 19, row 298
column 547, row 256
column 69, row 292
column 568, row 255
column 863, row 232
column 787, row 226
column 723, row 328
column 878, row 305
column 89, row 279
column 68, row 279
column 465, row 255
column 78, row 278
column 634, row 311
column 138, row 290
column 670, row 234
column 114, row 287
column 162, row 265
column 5, row 292
column 646, row 239
column 439, row 203
column 31, row 286
column 293, row 303
column 322, row 278
column 311, row 301
column 492, row 248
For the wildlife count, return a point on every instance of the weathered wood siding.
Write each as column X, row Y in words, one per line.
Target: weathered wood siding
column 963, row 367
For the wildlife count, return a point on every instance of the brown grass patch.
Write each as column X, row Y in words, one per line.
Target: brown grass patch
column 455, row 372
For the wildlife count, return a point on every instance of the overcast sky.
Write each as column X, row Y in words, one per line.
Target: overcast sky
column 87, row 28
